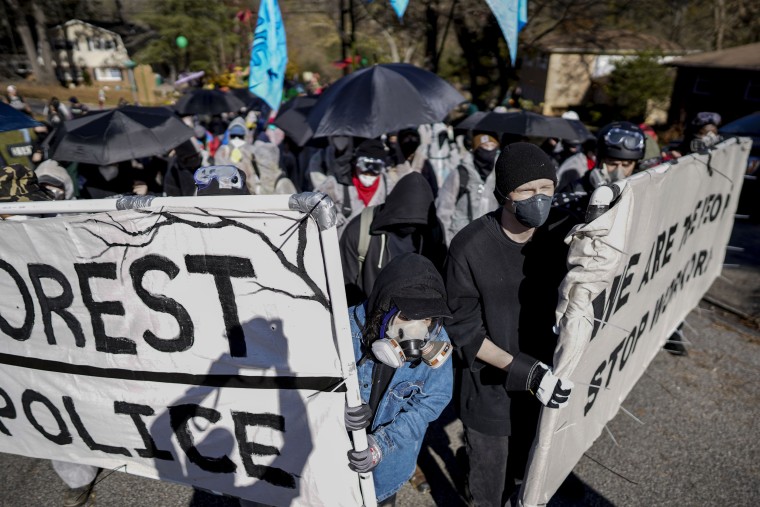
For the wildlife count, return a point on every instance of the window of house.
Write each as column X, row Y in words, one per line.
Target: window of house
column 107, row 74
column 704, row 86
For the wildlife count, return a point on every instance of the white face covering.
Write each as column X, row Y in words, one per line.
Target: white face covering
column 109, row 172
column 236, row 142
column 367, row 180
column 601, row 176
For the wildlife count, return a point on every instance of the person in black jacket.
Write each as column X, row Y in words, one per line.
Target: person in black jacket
column 406, row 222
column 502, row 275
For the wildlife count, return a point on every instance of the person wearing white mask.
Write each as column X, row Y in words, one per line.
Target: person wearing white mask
column 364, row 183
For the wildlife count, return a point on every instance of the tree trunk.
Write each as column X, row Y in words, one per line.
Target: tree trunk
column 25, row 33
column 47, row 75
column 720, row 22
column 431, row 36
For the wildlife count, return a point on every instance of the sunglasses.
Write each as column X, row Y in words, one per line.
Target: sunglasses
column 226, row 176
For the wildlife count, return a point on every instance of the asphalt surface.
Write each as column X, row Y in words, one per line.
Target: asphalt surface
column 698, row 444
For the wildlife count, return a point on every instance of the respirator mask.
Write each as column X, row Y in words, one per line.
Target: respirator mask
column 704, row 142
column 404, row 340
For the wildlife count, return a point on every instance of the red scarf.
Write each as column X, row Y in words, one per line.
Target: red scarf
column 365, row 193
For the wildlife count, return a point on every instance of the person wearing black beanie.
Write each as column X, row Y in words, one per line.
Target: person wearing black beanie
column 502, row 277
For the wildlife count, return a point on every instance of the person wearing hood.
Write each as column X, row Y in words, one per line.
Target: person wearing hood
column 405, row 376
column 55, row 180
column 409, row 154
column 467, row 192
column 406, row 222
column 182, row 164
column 335, row 159
column 362, row 183
column 502, row 277
column 701, row 134
column 236, row 151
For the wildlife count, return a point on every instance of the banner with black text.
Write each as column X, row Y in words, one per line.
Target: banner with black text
column 635, row 274
column 192, row 345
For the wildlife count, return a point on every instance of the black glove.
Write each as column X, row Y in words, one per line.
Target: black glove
column 527, row 373
column 358, row 418
column 366, row 460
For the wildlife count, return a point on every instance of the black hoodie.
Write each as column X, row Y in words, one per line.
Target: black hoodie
column 409, row 205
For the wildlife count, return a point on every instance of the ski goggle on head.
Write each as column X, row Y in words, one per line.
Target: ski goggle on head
column 226, row 176
column 627, row 139
column 370, row 165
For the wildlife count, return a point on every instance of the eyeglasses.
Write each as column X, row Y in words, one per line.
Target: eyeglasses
column 628, row 139
column 370, row 165
column 226, row 176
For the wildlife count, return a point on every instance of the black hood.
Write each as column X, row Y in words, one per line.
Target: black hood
column 340, row 166
column 410, row 202
column 409, row 280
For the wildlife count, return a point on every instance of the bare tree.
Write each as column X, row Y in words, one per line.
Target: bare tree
column 47, row 73
column 22, row 27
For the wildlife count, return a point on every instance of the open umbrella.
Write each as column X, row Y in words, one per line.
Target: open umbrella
column 10, row 119
column 523, row 123
column 383, row 98
column 746, row 126
column 207, row 102
column 115, row 135
column 292, row 119
column 251, row 100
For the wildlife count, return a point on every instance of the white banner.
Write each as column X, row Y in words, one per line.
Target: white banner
column 194, row 345
column 636, row 273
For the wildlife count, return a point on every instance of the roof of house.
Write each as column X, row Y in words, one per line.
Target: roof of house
column 740, row 57
column 80, row 22
column 605, row 41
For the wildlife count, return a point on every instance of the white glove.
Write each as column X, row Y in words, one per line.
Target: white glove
column 550, row 390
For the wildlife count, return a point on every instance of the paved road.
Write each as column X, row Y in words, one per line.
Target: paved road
column 698, row 444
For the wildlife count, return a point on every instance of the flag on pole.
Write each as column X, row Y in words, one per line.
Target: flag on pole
column 400, row 7
column 269, row 55
column 512, row 16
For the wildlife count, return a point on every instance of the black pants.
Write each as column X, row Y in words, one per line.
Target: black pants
column 495, row 462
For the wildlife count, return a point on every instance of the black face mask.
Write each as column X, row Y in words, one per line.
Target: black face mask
column 483, row 161
column 534, row 211
column 409, row 145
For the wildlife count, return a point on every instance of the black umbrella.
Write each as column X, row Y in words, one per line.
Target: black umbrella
column 380, row 99
column 523, row 123
column 250, row 100
column 11, row 119
column 207, row 102
column 292, row 119
column 746, row 126
column 115, row 135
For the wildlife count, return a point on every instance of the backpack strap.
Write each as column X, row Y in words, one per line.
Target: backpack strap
column 346, row 209
column 464, row 180
column 365, row 222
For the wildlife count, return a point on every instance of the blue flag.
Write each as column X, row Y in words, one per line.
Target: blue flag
column 512, row 16
column 269, row 55
column 400, row 7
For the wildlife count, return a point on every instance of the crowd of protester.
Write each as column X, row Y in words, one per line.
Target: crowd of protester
column 446, row 237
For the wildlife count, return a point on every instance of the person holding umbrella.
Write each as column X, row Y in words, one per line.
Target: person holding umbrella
column 364, row 183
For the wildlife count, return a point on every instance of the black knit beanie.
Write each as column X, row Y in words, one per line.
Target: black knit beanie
column 519, row 163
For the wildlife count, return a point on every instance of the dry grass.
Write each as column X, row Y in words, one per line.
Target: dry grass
column 86, row 94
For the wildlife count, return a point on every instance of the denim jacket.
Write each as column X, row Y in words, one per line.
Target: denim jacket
column 415, row 397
